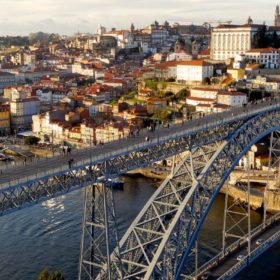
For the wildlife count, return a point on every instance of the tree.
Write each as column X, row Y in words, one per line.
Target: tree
column 166, row 23
column 275, row 41
column 45, row 275
column 162, row 114
column 183, row 93
column 261, row 39
column 31, row 140
column 206, row 81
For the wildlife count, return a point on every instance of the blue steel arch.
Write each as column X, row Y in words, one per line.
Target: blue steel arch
column 230, row 139
column 159, row 240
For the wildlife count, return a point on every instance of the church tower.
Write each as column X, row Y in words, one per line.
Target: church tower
column 277, row 16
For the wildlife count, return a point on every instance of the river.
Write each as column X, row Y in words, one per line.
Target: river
column 48, row 234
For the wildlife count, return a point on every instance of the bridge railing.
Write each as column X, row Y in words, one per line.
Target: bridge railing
column 191, row 128
column 230, row 249
column 249, row 258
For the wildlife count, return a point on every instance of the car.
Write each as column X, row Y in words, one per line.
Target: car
column 240, row 258
column 259, row 241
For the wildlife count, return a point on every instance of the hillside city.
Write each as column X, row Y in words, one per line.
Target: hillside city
column 89, row 89
column 149, row 151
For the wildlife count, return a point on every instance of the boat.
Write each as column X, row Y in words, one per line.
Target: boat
column 116, row 184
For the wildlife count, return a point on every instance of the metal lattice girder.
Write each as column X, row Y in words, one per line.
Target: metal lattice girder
column 169, row 223
column 99, row 235
column 48, row 181
column 43, row 188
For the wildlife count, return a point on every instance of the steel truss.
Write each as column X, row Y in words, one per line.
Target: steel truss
column 99, row 234
column 237, row 214
column 158, row 243
column 43, row 188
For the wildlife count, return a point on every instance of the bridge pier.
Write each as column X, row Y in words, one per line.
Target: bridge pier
column 99, row 235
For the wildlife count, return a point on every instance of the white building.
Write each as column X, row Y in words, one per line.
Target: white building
column 268, row 56
column 194, row 71
column 232, row 98
column 22, row 111
column 214, row 100
column 83, row 69
column 179, row 56
column 200, row 95
column 227, row 41
column 123, row 37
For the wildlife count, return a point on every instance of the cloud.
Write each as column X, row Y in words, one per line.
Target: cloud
column 68, row 16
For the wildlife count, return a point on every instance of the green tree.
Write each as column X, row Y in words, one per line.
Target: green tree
column 183, row 93
column 206, row 81
column 275, row 40
column 151, row 84
column 46, row 275
column 31, row 140
column 261, row 39
column 162, row 114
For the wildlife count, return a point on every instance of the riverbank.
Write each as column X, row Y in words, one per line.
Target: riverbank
column 256, row 198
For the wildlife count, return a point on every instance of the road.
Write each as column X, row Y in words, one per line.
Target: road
column 99, row 153
column 231, row 260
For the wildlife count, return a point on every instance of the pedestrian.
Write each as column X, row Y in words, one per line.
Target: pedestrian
column 63, row 150
column 70, row 162
column 24, row 161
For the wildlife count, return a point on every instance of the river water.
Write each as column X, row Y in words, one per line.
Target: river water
column 48, row 234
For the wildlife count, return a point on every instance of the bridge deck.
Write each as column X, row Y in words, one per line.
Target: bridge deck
column 112, row 149
column 220, row 268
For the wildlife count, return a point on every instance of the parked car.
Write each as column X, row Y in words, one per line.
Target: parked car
column 259, row 241
column 240, row 258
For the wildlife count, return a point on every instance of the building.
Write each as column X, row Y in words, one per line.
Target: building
column 277, row 16
column 154, row 104
column 232, row 98
column 179, row 56
column 194, row 71
column 227, row 41
column 269, row 57
column 22, row 111
column 6, row 80
column 201, row 95
column 166, row 70
column 4, row 119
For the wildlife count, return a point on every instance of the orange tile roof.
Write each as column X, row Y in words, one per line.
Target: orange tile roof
column 205, row 89
column 198, row 62
column 262, row 50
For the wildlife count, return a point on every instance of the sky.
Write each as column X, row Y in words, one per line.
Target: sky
column 21, row 17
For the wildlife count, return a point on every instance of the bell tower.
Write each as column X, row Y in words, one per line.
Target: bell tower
column 277, row 16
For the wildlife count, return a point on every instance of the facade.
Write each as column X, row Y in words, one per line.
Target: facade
column 200, row 95
column 166, row 70
column 154, row 104
column 22, row 111
column 232, row 98
column 4, row 119
column 179, row 56
column 6, row 80
column 194, row 71
column 269, row 57
column 227, row 41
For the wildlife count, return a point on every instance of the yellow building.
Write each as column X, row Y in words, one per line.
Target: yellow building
column 236, row 74
column 5, row 119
